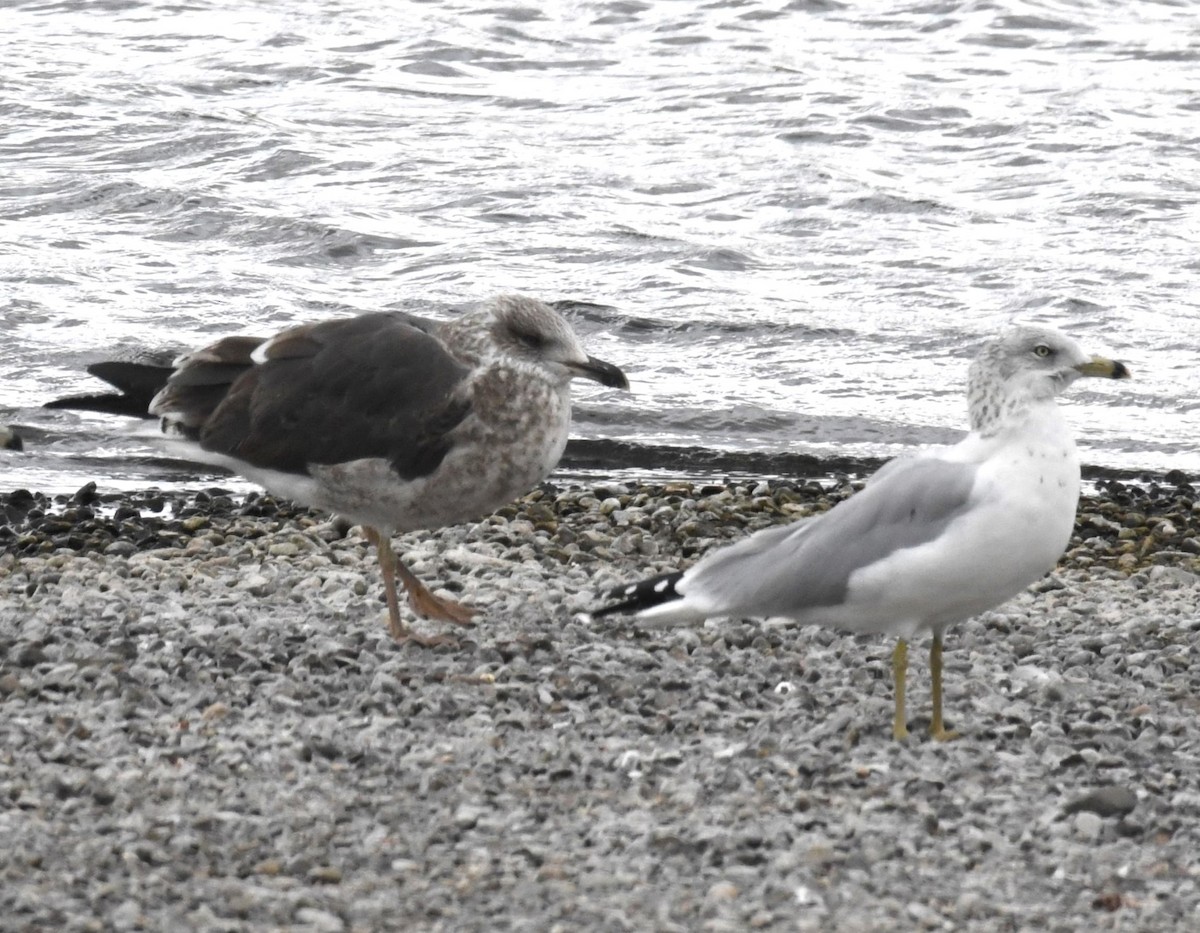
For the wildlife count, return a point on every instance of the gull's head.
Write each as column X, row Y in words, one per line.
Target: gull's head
column 1024, row 366
column 530, row 330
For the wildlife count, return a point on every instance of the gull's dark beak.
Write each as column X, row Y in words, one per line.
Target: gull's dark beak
column 1104, row 368
column 604, row 373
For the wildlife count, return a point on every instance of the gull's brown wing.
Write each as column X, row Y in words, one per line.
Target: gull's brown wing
column 379, row 385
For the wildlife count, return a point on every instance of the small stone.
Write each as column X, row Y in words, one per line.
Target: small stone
column 127, row 915
column 1173, row 576
column 325, row 874
column 722, row 891
column 120, row 548
column 610, row 505
column 30, row 655
column 466, row 816
column 1088, row 826
column 320, row 920
column 1106, row 802
column 256, row 584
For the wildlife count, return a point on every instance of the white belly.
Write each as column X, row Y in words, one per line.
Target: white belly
column 1019, row 522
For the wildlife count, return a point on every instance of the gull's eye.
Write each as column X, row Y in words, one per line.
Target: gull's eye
column 1043, row 351
column 530, row 339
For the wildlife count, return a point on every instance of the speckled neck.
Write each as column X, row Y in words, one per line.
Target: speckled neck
column 991, row 409
column 998, row 401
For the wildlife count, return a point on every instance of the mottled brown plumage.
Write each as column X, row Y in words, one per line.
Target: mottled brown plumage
column 392, row 421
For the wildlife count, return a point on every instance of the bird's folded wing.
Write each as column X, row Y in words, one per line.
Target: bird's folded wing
column 790, row 570
column 373, row 386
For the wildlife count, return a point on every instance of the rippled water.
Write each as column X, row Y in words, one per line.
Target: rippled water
column 800, row 216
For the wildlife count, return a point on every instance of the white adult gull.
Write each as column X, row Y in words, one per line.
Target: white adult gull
column 932, row 539
column 391, row 421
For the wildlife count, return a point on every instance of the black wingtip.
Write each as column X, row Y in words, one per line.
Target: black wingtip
column 138, row 383
column 110, row 404
column 643, row 595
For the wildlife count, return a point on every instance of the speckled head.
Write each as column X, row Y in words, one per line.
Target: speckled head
column 528, row 331
column 1024, row 366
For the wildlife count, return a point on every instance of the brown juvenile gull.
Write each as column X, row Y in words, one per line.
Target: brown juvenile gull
column 932, row 539
column 393, row 422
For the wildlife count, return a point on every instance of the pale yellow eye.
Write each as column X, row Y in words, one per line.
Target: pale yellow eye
column 1042, row 350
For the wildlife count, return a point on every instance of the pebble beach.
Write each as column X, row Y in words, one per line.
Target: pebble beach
column 207, row 727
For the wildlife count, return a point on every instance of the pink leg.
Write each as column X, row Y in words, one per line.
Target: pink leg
column 423, row 602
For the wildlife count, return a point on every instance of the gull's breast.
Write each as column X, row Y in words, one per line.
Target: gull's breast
column 503, row 449
column 1032, row 481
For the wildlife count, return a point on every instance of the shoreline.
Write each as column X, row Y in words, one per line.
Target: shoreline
column 1123, row 526
column 595, row 461
column 697, row 463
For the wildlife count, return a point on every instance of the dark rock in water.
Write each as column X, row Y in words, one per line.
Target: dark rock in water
column 10, row 439
column 16, row 506
column 1180, row 479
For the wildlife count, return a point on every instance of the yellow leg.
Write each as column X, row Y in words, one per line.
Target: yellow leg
column 899, row 675
column 936, row 728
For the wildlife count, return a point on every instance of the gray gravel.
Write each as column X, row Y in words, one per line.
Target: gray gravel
column 218, row 734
